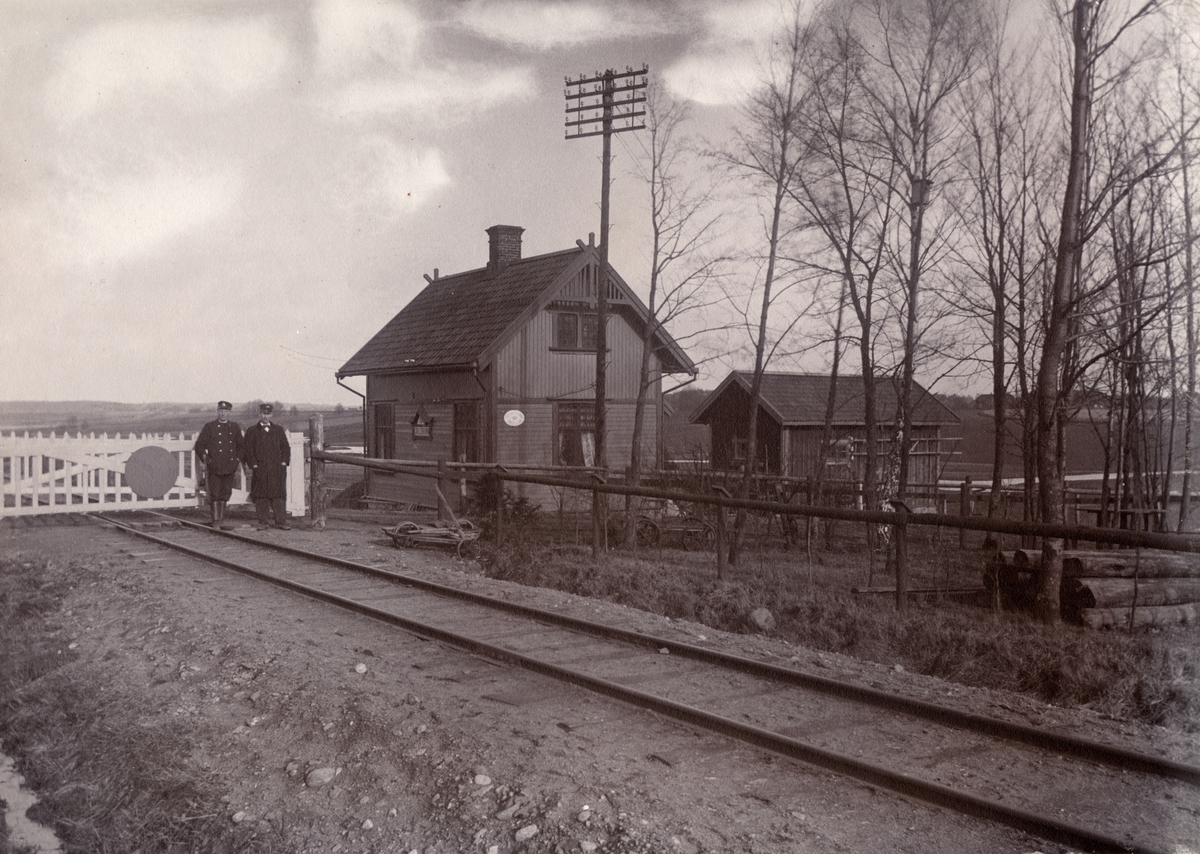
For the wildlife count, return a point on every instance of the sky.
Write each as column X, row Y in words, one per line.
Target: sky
column 225, row 199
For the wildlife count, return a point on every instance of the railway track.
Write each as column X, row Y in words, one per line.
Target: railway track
column 1063, row 789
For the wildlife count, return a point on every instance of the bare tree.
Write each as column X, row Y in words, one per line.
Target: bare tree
column 843, row 198
column 683, row 225
column 1007, row 166
column 919, row 54
column 1188, row 105
column 1096, row 29
column 769, row 152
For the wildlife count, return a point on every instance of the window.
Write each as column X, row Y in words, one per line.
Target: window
column 575, row 331
column 385, row 431
column 466, row 432
column 588, row 327
column 566, row 331
column 576, row 433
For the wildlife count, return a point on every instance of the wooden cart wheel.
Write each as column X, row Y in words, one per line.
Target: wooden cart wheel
column 646, row 531
column 468, row 549
column 698, row 538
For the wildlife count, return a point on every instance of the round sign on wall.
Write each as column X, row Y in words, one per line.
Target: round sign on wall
column 151, row 471
column 514, row 418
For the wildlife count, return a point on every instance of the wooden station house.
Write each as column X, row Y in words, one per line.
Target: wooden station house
column 498, row 365
column 791, row 421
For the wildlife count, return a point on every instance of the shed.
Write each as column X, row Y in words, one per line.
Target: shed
column 792, row 418
column 498, row 365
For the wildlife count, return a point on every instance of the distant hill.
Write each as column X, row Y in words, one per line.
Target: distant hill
column 342, row 425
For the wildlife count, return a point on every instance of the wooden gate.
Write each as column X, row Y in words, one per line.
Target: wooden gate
column 85, row 474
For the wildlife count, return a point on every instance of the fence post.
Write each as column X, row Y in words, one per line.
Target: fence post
column 720, row 490
column 499, row 508
column 964, row 509
column 900, row 535
column 442, row 504
column 316, row 485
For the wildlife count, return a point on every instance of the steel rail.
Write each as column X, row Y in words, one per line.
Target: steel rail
column 1079, row 748
column 1044, row 827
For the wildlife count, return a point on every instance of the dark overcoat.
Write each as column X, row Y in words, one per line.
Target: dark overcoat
column 266, row 451
column 219, row 446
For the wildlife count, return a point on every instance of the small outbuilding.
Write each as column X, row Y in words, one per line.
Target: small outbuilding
column 791, row 422
column 498, row 365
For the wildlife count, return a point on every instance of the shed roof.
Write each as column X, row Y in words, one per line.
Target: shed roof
column 455, row 318
column 457, row 321
column 799, row 400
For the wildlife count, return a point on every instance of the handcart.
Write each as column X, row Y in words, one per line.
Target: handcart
column 668, row 520
column 460, row 535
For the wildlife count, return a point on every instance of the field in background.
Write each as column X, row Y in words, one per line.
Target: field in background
column 342, row 426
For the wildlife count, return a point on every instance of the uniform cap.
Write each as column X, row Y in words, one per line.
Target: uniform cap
column 265, row 409
column 224, row 404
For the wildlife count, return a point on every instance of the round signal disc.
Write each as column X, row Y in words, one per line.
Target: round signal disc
column 151, row 471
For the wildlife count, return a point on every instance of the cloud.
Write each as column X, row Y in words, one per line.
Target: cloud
column 444, row 96
column 371, row 62
column 386, row 179
column 180, row 59
column 719, row 76
column 107, row 217
column 542, row 26
column 365, row 36
column 748, row 21
column 722, row 65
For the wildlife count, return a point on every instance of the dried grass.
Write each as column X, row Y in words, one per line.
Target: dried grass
column 1151, row 676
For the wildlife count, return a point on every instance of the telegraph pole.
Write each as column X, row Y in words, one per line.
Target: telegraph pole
column 602, row 105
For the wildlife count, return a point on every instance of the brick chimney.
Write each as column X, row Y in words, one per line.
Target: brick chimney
column 504, row 246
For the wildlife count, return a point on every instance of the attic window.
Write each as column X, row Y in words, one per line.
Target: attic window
column 573, row 331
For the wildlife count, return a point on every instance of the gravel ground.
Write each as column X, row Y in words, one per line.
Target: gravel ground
column 339, row 734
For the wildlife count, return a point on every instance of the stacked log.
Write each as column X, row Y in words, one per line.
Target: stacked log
column 1111, row 588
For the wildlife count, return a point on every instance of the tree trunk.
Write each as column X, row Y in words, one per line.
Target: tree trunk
column 1051, row 388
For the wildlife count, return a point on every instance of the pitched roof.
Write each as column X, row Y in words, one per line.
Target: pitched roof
column 799, row 400
column 458, row 320
column 455, row 318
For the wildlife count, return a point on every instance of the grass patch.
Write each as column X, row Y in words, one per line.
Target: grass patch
column 111, row 774
column 1147, row 675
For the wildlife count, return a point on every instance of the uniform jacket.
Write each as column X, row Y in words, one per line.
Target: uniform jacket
column 267, row 452
column 219, row 446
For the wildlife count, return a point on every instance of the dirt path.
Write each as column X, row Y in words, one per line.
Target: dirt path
column 344, row 735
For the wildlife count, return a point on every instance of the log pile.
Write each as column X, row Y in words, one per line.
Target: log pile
column 1101, row 589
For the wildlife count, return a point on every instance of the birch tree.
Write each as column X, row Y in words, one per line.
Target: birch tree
column 683, row 267
column 918, row 55
column 769, row 153
column 1097, row 30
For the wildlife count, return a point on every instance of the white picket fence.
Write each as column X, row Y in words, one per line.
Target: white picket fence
column 86, row 474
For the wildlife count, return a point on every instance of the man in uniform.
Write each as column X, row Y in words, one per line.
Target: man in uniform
column 267, row 454
column 219, row 451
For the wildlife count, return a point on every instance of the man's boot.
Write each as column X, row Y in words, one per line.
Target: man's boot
column 225, row 526
column 214, row 514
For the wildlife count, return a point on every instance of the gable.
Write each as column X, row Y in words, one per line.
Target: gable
column 465, row 319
